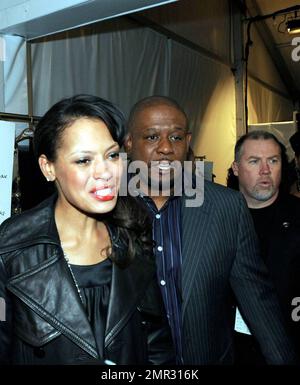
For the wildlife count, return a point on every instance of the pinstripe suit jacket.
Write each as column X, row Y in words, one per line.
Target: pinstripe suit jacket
column 221, row 261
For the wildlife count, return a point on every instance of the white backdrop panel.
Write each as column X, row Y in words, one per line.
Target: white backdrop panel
column 7, row 142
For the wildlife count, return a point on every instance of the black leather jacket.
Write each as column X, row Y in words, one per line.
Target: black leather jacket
column 45, row 320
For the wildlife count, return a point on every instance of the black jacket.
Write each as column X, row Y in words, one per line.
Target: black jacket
column 280, row 246
column 220, row 257
column 45, row 319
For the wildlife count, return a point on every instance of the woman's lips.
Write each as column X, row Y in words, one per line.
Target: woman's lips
column 104, row 194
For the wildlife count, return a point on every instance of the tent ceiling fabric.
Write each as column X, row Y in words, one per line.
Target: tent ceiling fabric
column 15, row 19
column 123, row 60
column 281, row 40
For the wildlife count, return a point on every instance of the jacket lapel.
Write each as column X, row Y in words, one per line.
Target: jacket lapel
column 52, row 280
column 196, row 225
column 127, row 288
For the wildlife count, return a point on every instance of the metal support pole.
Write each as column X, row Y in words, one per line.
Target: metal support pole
column 237, row 41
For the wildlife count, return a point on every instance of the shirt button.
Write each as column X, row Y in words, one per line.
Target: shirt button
column 162, row 282
column 157, row 216
column 159, row 248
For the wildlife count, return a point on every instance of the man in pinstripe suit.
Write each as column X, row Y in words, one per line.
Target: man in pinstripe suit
column 207, row 256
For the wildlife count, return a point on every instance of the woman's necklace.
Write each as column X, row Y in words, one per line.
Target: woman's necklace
column 73, row 276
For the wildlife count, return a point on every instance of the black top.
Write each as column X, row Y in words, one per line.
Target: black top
column 94, row 282
column 278, row 229
column 264, row 223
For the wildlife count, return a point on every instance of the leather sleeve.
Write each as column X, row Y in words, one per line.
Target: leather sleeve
column 160, row 345
column 6, row 318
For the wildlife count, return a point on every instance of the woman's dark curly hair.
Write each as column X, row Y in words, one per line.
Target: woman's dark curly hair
column 129, row 224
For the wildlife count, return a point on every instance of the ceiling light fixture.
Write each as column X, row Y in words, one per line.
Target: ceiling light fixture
column 293, row 26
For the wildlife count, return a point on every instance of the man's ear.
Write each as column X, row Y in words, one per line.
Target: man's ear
column 128, row 143
column 235, row 168
column 47, row 168
column 188, row 140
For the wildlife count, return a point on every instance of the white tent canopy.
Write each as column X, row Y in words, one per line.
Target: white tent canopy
column 184, row 49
